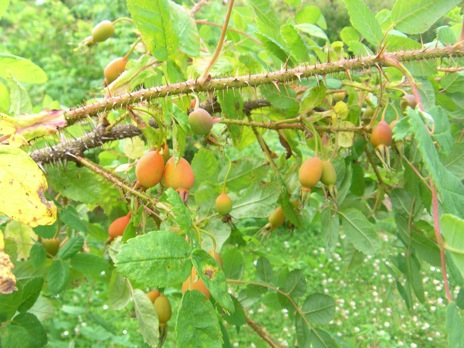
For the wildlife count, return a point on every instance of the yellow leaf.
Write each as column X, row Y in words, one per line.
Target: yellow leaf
column 345, row 139
column 7, row 278
column 22, row 235
column 133, row 147
column 22, row 188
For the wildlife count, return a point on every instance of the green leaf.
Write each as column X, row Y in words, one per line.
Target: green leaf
column 213, row 276
column 319, row 308
column 266, row 20
column 21, row 235
column 295, row 283
column 330, row 226
column 454, row 162
column 37, row 255
column 295, row 43
column 15, row 336
column 89, row 264
column 264, row 270
column 257, row 201
column 71, row 218
column 20, row 103
column 205, row 165
column 147, row 318
column 322, row 339
column 58, row 276
column 417, row 16
column 156, row 259
column 43, row 308
column 234, row 263
column 449, row 186
column 311, row 98
column 71, row 247
column 118, row 291
column 21, row 300
column 80, row 184
column 197, row 323
column 364, row 21
column 452, row 229
column 30, row 291
column 180, row 210
column 276, row 48
column 454, row 327
column 186, row 30
column 153, row 20
column 22, row 69
column 33, row 327
column 360, row 231
column 312, row 30
column 303, row 332
column 281, row 97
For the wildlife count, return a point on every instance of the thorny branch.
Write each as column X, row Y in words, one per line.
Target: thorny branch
column 276, row 77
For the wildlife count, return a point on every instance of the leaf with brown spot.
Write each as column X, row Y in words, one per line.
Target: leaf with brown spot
column 7, row 278
column 214, row 278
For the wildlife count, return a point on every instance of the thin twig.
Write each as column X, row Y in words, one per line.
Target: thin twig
column 436, row 225
column 261, row 332
column 220, row 44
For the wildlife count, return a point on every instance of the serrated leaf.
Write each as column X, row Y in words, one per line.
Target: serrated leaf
column 295, row 43
column 454, row 327
column 118, row 291
column 71, row 247
column 186, row 30
column 179, row 209
column 417, row 16
column 70, row 216
column 205, row 165
column 58, row 276
column 22, row 236
column 319, row 308
column 30, row 291
column 33, row 327
column 197, row 323
column 322, row 339
column 312, row 30
column 21, row 178
column 454, row 162
column 22, row 69
column 330, row 226
column 282, row 98
column 156, row 259
column 153, row 20
column 360, row 231
column 364, row 21
column 295, row 283
column 452, row 229
column 257, row 201
column 43, row 308
column 147, row 318
column 449, row 186
column 266, row 19
column 264, row 270
column 80, row 184
column 89, row 264
column 37, row 255
column 20, row 103
column 213, row 276
column 234, row 263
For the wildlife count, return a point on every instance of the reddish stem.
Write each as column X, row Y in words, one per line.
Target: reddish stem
column 440, row 240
